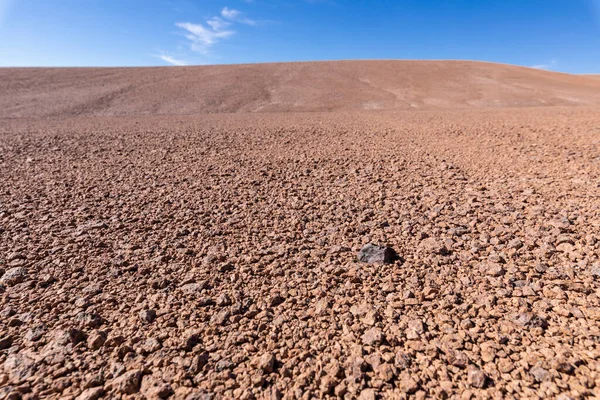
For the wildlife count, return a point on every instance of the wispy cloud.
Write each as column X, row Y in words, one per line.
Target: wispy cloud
column 236, row 16
column 217, row 23
column 203, row 37
column 206, row 34
column 172, row 60
column 547, row 66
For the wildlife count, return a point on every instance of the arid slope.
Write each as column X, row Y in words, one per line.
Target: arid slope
column 214, row 256
column 310, row 86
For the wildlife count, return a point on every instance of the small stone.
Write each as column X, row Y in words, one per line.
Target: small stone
column 147, row 316
column 334, row 369
column 565, row 247
column 5, row 342
column 93, row 380
column 372, row 336
column 409, row 385
column 367, row 394
column 417, row 326
column 20, row 367
column 223, row 364
column 276, row 300
column 15, row 255
column 14, row 276
column 220, row 318
column 91, row 394
column 128, row 383
column 46, row 280
column 541, row 268
column 457, row 358
column 223, row 300
column 205, row 301
column 516, row 244
column 563, row 366
column 434, row 246
column 90, row 320
column 491, row 269
column 355, row 369
column 193, row 288
column 467, row 324
column 374, row 360
column 266, row 363
column 505, row 365
column 365, row 313
column 96, row 340
column 530, row 320
column 539, row 373
column 151, row 345
column 340, row 390
column 328, row 383
column 402, row 360
column 153, row 388
column 114, row 341
column 36, row 333
column 198, row 362
column 191, row 339
column 7, row 312
column 92, row 289
column 488, row 353
column 338, row 249
column 386, row 372
column 70, row 336
column 373, row 254
column 476, row 377
column 322, row 307
column 82, row 303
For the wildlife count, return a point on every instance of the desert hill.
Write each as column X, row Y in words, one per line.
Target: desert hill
column 280, row 87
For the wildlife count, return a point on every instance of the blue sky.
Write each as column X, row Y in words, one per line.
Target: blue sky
column 561, row 35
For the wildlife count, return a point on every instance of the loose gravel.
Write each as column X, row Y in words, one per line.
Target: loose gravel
column 216, row 257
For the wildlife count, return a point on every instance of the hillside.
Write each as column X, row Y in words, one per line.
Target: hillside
column 307, row 86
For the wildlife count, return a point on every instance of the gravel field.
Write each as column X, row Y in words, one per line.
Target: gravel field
column 215, row 256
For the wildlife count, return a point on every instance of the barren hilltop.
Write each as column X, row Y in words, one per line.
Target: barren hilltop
column 282, row 87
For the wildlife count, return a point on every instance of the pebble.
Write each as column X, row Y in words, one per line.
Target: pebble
column 409, row 385
column 147, row 316
column 539, row 373
column 373, row 254
column 492, row 269
column 96, row 340
column 91, row 394
column 476, row 377
column 13, row 276
column 128, row 383
column 266, row 363
column 6, row 342
column 372, row 336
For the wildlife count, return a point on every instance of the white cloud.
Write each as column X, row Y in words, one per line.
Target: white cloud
column 172, row 60
column 203, row 37
column 547, row 66
column 230, row 13
column 217, row 23
column 236, row 16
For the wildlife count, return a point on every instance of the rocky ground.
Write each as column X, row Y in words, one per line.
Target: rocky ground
column 215, row 256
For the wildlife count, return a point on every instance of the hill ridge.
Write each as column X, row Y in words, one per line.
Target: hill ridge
column 281, row 87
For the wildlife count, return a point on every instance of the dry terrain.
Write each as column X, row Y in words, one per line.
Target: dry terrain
column 160, row 240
